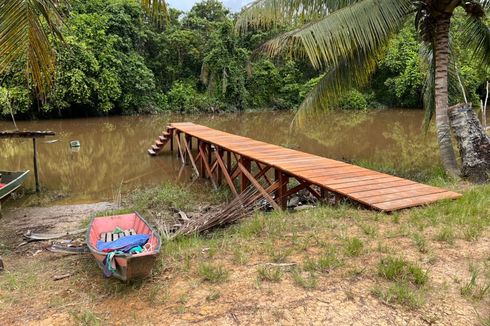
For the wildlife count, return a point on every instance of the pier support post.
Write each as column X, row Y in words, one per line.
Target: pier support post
column 283, row 180
column 244, row 182
column 36, row 172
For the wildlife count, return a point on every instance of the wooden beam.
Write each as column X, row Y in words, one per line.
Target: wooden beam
column 190, row 157
column 273, row 187
column 177, row 138
column 314, row 192
column 36, row 172
column 263, row 171
column 206, row 165
column 283, row 180
column 244, row 165
column 228, row 161
column 171, row 140
column 226, row 175
column 25, row 134
column 257, row 185
column 292, row 191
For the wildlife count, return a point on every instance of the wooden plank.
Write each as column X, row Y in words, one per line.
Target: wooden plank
column 25, row 134
column 388, row 190
column 361, row 183
column 339, row 174
column 377, row 186
column 401, row 195
column 415, row 201
column 346, row 180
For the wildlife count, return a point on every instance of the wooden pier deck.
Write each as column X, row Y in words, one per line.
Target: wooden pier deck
column 222, row 155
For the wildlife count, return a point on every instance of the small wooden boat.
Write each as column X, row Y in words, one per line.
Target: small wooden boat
column 127, row 266
column 10, row 181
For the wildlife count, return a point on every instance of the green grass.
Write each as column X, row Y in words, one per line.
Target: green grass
column 399, row 270
column 420, row 242
column 213, row 274
column 474, row 289
column 354, row 247
column 446, row 234
column 306, row 282
column 324, row 263
column 270, row 274
column 402, row 294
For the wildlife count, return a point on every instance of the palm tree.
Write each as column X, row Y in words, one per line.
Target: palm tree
column 344, row 37
column 25, row 30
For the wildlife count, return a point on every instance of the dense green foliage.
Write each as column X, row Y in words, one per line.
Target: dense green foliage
column 115, row 61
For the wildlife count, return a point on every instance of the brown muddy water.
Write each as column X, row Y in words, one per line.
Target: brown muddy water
column 113, row 156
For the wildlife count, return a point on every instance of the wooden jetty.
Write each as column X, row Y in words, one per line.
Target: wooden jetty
column 223, row 156
column 5, row 134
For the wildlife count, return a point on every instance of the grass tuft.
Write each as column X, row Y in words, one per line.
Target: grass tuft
column 270, row 274
column 399, row 270
column 446, row 234
column 402, row 294
column 213, row 274
column 354, row 247
column 420, row 243
column 325, row 263
column 308, row 282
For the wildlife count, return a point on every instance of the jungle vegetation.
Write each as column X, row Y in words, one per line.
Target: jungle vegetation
column 113, row 58
column 345, row 38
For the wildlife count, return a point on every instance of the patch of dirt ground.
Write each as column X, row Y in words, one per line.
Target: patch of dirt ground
column 178, row 296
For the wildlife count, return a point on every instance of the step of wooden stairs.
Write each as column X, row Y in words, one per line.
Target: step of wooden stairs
column 161, row 141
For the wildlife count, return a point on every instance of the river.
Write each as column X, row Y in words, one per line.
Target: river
column 113, row 153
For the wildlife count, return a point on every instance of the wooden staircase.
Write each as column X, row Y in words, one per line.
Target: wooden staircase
column 161, row 141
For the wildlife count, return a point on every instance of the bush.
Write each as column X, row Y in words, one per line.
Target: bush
column 354, row 100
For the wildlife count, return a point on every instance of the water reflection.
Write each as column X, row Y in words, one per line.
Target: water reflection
column 113, row 149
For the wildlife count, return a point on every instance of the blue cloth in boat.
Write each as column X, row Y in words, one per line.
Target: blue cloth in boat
column 123, row 244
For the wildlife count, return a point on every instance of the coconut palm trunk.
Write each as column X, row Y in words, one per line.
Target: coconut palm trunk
column 441, row 55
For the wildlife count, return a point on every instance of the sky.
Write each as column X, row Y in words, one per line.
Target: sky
column 234, row 5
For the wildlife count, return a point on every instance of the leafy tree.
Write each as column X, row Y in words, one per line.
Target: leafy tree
column 346, row 37
column 25, row 26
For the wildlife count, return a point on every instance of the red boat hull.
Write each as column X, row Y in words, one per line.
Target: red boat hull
column 128, row 266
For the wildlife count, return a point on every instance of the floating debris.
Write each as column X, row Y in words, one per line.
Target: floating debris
column 75, row 144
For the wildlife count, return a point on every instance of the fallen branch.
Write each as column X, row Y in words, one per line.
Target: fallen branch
column 62, row 276
column 50, row 236
column 280, row 264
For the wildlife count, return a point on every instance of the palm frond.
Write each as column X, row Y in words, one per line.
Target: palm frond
column 265, row 13
column 361, row 27
column 23, row 35
column 478, row 35
column 351, row 72
column 157, row 10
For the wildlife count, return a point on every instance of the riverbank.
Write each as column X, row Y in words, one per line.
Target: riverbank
column 337, row 265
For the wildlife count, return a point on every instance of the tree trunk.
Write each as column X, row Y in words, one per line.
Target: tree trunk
column 441, row 54
column 474, row 144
